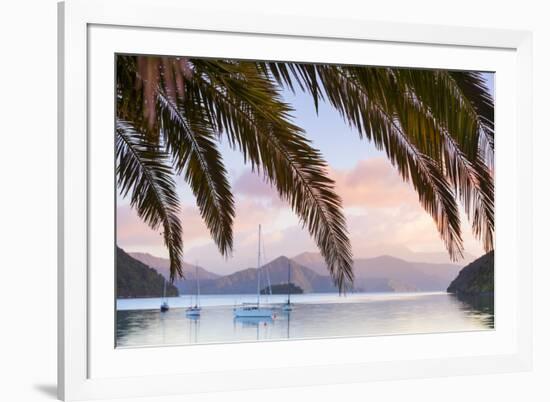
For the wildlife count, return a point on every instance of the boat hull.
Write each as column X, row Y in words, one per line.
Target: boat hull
column 193, row 312
column 253, row 312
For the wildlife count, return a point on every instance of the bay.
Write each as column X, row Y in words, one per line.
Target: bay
column 314, row 315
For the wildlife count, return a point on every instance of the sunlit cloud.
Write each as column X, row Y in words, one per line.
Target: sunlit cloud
column 133, row 234
column 372, row 183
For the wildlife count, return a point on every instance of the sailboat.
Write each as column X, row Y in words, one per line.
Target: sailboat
column 164, row 307
column 254, row 310
column 287, row 306
column 195, row 311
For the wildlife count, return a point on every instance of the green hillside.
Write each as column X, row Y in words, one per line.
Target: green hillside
column 135, row 279
column 476, row 278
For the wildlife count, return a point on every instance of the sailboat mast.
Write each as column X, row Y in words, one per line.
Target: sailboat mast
column 288, row 283
column 259, row 261
column 198, row 282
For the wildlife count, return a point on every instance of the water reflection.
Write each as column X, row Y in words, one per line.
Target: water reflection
column 288, row 314
column 258, row 323
column 253, row 321
column 359, row 316
column 129, row 323
column 481, row 306
column 194, row 327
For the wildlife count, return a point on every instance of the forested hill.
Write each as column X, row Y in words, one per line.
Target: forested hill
column 476, row 278
column 135, row 279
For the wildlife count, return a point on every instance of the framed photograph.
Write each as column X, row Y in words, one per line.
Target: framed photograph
column 254, row 201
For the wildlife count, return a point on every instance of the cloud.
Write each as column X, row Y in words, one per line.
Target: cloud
column 135, row 235
column 380, row 230
column 132, row 230
column 253, row 185
column 373, row 183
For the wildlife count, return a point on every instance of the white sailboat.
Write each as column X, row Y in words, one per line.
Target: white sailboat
column 254, row 310
column 287, row 306
column 195, row 311
column 164, row 307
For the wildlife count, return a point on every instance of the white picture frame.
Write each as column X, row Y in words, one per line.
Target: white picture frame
column 92, row 31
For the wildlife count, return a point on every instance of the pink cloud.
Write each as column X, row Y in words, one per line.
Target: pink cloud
column 253, row 184
column 134, row 234
column 373, row 183
column 131, row 231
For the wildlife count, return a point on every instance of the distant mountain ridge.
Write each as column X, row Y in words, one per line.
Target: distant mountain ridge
column 309, row 272
column 274, row 272
column 390, row 273
column 401, row 253
column 162, row 265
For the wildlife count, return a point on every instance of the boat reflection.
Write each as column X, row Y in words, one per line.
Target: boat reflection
column 288, row 314
column 194, row 328
column 253, row 321
column 260, row 324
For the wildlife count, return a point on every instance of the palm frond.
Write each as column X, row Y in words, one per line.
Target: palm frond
column 364, row 101
column 450, row 139
column 192, row 144
column 473, row 87
column 460, row 100
column 248, row 109
column 144, row 171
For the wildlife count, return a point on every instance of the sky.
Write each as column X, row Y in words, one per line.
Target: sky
column 383, row 213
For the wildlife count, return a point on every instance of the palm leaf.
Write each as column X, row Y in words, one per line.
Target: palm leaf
column 450, row 138
column 248, row 109
column 473, row 88
column 192, row 144
column 144, row 171
column 364, row 101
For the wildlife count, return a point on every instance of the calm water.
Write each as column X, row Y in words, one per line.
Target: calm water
column 140, row 323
